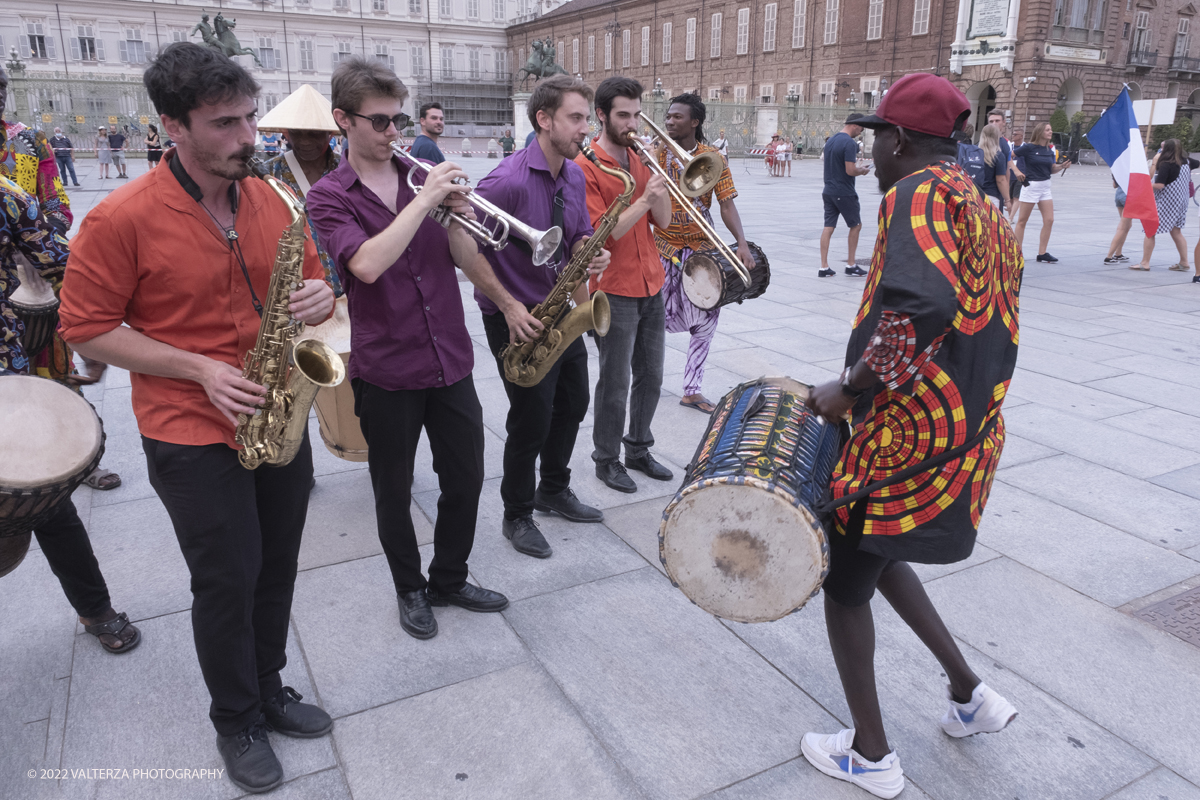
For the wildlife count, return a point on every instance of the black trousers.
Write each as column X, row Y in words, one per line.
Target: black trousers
column 65, row 544
column 239, row 531
column 542, row 420
column 391, row 424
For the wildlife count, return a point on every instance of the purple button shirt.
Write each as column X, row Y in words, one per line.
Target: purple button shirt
column 522, row 185
column 407, row 330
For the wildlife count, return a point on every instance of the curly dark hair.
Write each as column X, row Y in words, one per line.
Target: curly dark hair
column 185, row 76
column 695, row 108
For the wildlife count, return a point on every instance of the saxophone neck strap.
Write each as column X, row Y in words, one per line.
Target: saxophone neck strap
column 556, row 221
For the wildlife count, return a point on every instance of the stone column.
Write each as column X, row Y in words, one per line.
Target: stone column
column 521, row 126
column 960, row 37
column 766, row 124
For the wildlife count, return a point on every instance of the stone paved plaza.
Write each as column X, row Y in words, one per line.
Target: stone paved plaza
column 601, row 680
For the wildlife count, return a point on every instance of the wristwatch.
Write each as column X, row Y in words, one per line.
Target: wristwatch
column 847, row 389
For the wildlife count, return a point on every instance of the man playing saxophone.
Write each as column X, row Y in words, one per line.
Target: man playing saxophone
column 543, row 187
column 411, row 356
column 183, row 256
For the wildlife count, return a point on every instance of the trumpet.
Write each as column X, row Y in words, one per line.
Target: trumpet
column 699, row 167
column 544, row 244
column 701, row 173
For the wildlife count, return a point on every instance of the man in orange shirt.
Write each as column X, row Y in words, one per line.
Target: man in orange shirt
column 636, row 338
column 182, row 256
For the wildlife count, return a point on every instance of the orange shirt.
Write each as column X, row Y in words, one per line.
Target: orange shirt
column 151, row 257
column 635, row 270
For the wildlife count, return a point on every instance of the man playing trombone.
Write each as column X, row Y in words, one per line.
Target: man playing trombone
column 685, row 126
column 635, row 342
column 411, row 357
column 544, row 188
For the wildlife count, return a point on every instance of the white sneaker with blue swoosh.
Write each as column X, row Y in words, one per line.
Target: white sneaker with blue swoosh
column 833, row 754
column 987, row 712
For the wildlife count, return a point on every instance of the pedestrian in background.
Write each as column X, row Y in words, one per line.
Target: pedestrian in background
column 433, row 123
column 1040, row 164
column 1172, row 190
column 995, row 166
column 154, row 149
column 839, row 195
column 507, row 143
column 116, row 145
column 1115, row 256
column 64, row 156
column 103, row 152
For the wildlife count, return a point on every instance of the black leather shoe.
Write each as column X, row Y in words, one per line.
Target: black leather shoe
column 470, row 597
column 416, row 617
column 287, row 715
column 566, row 504
column 525, row 537
column 249, row 760
column 648, row 465
column 615, row 477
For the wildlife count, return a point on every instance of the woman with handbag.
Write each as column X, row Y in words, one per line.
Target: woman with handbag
column 1172, row 190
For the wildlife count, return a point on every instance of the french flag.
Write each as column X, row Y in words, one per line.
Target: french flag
column 1118, row 140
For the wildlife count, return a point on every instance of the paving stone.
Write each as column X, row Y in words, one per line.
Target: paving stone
column 1121, row 668
column 1151, row 345
column 1018, row 450
column 1151, row 300
column 346, row 529
column 1163, row 324
column 804, row 346
column 361, row 658
column 1099, row 561
column 1161, row 784
column 1030, row 291
column 1185, row 481
column 1161, row 368
column 1158, row 515
column 115, row 721
column 637, row 524
column 1085, row 349
column 507, row 734
column 1172, row 427
column 1067, row 327
column 834, row 328
column 1032, row 755
column 123, row 452
column 1056, row 365
column 1127, row 452
column 325, row 462
column 327, row 785
column 1070, row 398
column 629, row 653
column 797, row 778
column 1037, row 306
column 980, row 554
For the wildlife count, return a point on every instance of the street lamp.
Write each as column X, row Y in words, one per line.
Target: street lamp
column 14, row 65
column 853, row 99
column 658, row 89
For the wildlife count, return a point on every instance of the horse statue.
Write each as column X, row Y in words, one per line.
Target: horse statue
column 541, row 63
column 220, row 37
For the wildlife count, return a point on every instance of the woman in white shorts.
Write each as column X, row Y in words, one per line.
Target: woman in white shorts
column 1039, row 160
column 103, row 152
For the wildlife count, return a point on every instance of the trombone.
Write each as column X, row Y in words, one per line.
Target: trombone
column 544, row 244
column 700, row 174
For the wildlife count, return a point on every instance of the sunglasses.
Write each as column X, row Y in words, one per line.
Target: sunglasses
column 380, row 122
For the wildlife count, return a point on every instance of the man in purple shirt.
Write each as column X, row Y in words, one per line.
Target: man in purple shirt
column 411, row 357
column 542, row 186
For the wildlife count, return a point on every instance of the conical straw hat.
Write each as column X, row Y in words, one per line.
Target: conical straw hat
column 303, row 110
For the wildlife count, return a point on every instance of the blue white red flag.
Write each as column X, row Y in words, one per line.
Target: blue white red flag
column 1118, row 140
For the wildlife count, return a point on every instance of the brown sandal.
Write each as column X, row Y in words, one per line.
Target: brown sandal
column 114, row 627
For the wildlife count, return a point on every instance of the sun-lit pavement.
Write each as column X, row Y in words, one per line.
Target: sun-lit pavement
column 601, row 680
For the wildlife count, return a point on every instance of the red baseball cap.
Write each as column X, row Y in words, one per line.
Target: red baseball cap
column 921, row 102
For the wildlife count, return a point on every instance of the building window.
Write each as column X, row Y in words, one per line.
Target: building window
column 1098, row 16
column 341, row 5
column 40, row 45
column 473, row 62
column 625, row 48
column 502, row 64
column 1181, row 37
column 831, row 21
column 86, row 47
column 1059, row 16
column 769, row 27
column 743, row 32
column 1141, row 33
column 342, row 52
column 666, row 45
column 766, row 93
column 383, row 54
column 472, row 9
column 446, row 51
column 714, row 94
column 575, row 56
column 177, row 35
column 875, row 19
column 714, row 45
column 739, row 94
column 414, row 7
column 269, row 100
column 379, row 5
column 308, row 61
column 798, row 12
column 869, row 89
column 591, row 54
column 646, row 46
column 1125, row 31
column 498, row 10
column 608, row 51
column 1079, row 10
column 133, row 49
column 825, row 90
column 796, row 90
column 416, row 60
column 689, row 43
column 445, row 9
column 560, row 54
column 921, row 18
column 267, row 54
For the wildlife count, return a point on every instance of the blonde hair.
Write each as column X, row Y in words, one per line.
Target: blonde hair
column 989, row 140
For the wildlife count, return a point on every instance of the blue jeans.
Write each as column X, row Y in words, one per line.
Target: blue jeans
column 66, row 163
column 634, row 347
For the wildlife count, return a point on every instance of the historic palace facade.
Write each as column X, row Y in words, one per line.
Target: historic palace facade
column 1024, row 56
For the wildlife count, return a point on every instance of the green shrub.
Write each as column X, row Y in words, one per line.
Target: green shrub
column 1058, row 121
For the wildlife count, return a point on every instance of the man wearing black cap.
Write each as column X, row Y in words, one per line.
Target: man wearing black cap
column 841, row 168
column 927, row 422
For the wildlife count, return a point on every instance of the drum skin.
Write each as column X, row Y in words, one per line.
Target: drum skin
column 34, row 303
column 340, row 429
column 709, row 280
column 52, row 440
column 741, row 539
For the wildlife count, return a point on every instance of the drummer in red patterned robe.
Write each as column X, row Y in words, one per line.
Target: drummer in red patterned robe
column 685, row 125
column 927, row 368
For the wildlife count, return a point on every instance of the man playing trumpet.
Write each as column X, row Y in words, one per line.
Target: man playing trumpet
column 544, row 188
column 411, row 357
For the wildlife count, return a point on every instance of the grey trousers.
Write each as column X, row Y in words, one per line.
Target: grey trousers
column 634, row 348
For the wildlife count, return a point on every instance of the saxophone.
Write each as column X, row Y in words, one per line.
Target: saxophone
column 292, row 371
column 525, row 364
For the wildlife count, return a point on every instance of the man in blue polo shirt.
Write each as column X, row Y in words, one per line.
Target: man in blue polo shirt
column 432, row 121
column 841, row 168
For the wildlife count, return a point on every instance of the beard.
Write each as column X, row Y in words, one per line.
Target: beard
column 614, row 134
column 231, row 167
column 564, row 145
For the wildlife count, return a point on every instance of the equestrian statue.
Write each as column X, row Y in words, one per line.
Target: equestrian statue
column 220, row 37
column 541, row 63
